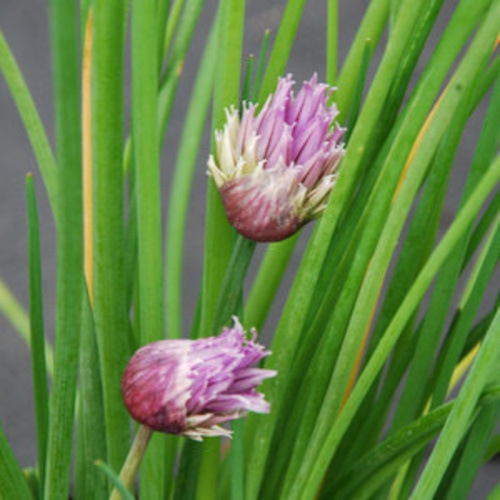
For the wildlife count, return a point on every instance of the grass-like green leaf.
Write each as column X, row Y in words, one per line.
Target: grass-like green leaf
column 19, row 319
column 414, row 252
column 479, row 330
column 108, row 194
column 468, row 308
column 471, row 458
column 365, row 477
column 92, row 414
column 415, row 394
column 371, row 28
column 413, row 397
column 147, row 185
column 367, row 474
column 31, row 120
column 293, row 318
column 282, row 46
column 38, row 362
column 168, row 26
column 472, row 64
column 187, row 475
column 458, row 421
column 85, row 9
column 237, row 465
column 164, row 14
column 495, row 494
column 115, row 480
column 181, row 185
column 260, row 66
column 360, row 86
column 13, row 483
column 219, row 236
column 247, row 81
column 332, row 41
column 493, row 447
column 173, row 71
column 65, row 34
column 447, row 244
column 481, row 228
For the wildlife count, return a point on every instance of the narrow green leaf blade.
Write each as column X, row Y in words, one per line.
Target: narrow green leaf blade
column 293, row 318
column 39, row 368
column 12, row 482
column 115, row 480
column 108, row 198
column 19, row 319
column 332, row 29
column 31, row 119
column 391, row 335
column 147, row 177
column 184, row 170
column 282, row 46
column 92, row 414
column 458, row 421
column 260, row 66
column 65, row 33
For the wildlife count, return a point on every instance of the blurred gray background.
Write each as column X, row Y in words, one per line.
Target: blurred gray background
column 25, row 25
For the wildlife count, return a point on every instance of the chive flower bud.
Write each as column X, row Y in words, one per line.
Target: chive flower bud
column 275, row 168
column 190, row 387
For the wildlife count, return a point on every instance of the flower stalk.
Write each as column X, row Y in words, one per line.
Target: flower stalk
column 134, row 459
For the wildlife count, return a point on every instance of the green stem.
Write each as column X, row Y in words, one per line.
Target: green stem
column 236, row 270
column 267, row 281
column 208, row 474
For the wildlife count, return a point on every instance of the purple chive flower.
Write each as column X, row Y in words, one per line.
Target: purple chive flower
column 189, row 387
column 275, row 168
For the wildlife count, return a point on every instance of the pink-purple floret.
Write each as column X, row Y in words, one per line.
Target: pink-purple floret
column 296, row 129
column 169, row 382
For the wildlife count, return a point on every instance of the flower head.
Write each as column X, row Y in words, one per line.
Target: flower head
column 275, row 168
column 189, row 387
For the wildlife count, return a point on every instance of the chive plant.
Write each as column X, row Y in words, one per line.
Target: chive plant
column 383, row 377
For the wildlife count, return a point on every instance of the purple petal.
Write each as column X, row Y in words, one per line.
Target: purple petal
column 233, row 402
column 250, row 378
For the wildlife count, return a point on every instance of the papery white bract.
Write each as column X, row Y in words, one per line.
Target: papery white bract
column 275, row 168
column 189, row 387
